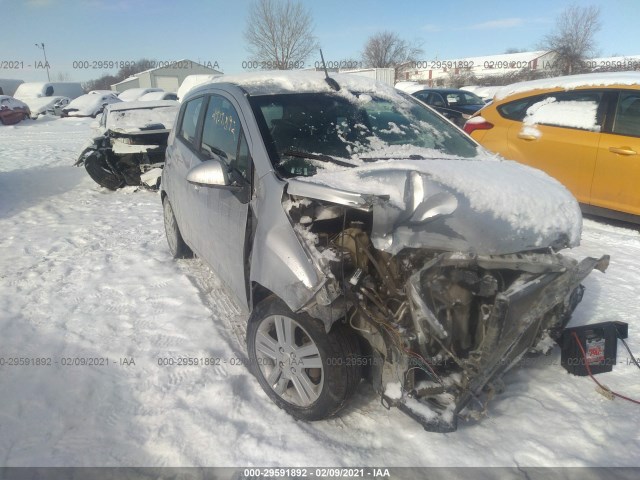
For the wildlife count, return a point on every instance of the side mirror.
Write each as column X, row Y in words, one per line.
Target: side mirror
column 208, row 173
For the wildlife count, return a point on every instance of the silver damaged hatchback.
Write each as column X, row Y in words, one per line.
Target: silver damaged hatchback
column 368, row 237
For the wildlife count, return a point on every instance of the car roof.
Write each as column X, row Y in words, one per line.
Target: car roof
column 286, row 81
column 138, row 105
column 570, row 82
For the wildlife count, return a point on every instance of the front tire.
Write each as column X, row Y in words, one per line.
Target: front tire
column 177, row 246
column 306, row 371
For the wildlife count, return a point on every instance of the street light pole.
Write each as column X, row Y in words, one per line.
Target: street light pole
column 46, row 64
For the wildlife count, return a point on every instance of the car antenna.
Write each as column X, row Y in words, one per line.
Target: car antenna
column 332, row 83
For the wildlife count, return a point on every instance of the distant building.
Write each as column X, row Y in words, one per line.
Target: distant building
column 444, row 72
column 439, row 72
column 384, row 75
column 167, row 76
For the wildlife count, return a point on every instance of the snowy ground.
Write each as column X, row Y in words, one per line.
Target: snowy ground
column 85, row 274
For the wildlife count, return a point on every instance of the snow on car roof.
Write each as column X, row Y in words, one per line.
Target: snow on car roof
column 280, row 81
column 130, row 120
column 132, row 94
column 91, row 99
column 137, row 105
column 11, row 102
column 570, row 82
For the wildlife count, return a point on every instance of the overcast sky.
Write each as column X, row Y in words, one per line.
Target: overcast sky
column 212, row 31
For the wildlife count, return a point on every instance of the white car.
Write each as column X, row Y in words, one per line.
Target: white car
column 47, row 105
column 155, row 96
column 135, row 93
column 89, row 105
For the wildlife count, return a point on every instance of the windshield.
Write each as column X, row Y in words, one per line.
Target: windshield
column 307, row 131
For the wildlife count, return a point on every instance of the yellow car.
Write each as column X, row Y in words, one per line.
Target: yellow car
column 584, row 130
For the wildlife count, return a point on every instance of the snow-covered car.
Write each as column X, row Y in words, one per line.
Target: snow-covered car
column 129, row 148
column 48, row 106
column 154, row 96
column 134, row 94
column 364, row 235
column 89, row 105
column 12, row 111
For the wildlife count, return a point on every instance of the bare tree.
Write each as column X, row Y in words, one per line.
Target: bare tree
column 573, row 40
column 280, row 34
column 62, row 77
column 386, row 49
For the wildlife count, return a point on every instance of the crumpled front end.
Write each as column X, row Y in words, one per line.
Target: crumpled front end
column 446, row 294
column 473, row 318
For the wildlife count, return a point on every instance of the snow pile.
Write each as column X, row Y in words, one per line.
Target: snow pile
column 572, row 114
column 572, row 81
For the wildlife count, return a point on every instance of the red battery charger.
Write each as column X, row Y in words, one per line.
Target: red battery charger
column 600, row 344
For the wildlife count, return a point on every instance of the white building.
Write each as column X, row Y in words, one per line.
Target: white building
column 437, row 72
column 168, row 76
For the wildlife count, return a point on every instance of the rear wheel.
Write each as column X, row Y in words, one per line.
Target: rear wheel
column 100, row 172
column 177, row 246
column 303, row 369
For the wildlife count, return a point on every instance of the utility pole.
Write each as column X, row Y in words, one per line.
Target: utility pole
column 46, row 63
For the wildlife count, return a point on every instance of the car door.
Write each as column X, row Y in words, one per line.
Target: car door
column 559, row 134
column 222, row 210
column 183, row 155
column 616, row 181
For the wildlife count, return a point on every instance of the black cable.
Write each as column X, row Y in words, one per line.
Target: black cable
column 629, row 350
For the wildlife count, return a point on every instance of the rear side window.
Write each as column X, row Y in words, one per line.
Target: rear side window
column 580, row 109
column 627, row 119
column 189, row 123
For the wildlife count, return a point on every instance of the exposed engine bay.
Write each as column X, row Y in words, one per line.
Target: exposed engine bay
column 439, row 327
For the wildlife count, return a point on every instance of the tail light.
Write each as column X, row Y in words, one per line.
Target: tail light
column 477, row 123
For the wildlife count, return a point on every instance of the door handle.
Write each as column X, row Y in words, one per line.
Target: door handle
column 526, row 137
column 622, row 150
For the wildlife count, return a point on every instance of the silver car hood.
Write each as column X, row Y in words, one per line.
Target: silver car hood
column 482, row 206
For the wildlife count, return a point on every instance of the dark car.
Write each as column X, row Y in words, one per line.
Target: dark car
column 12, row 111
column 456, row 105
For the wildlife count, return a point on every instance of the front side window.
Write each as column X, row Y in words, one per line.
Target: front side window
column 627, row 119
column 222, row 137
column 360, row 127
column 189, row 122
column 436, row 100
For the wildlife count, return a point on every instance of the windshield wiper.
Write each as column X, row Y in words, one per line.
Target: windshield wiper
column 313, row 156
column 392, row 157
